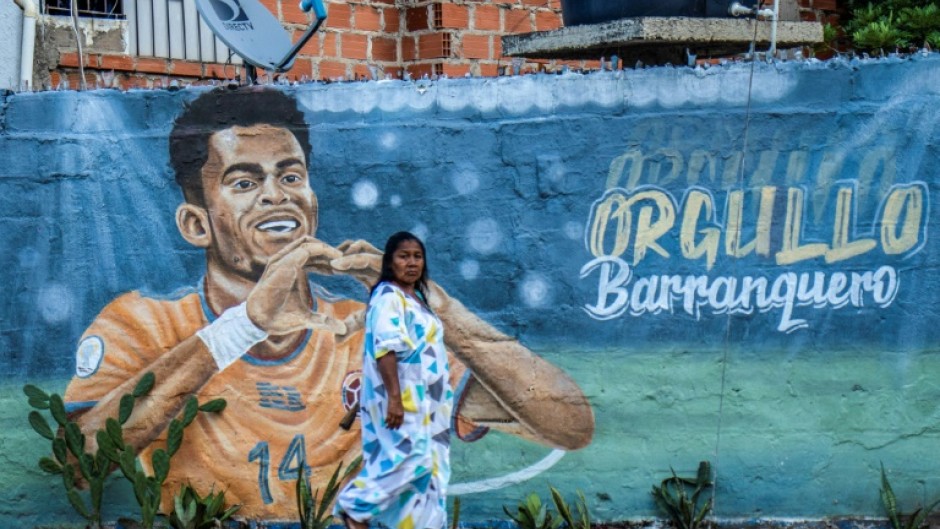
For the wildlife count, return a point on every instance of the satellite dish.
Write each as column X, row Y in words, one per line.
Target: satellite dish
column 251, row 31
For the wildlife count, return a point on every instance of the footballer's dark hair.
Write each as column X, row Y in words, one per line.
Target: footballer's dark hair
column 221, row 109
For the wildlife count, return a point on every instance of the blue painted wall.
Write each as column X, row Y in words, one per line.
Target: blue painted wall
column 602, row 220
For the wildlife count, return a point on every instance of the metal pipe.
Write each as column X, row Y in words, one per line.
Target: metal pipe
column 28, row 43
column 738, row 10
column 773, row 29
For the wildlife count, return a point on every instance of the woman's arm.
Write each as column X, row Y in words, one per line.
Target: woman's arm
column 388, row 369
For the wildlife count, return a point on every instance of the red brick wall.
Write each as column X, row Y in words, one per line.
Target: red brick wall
column 390, row 38
column 822, row 10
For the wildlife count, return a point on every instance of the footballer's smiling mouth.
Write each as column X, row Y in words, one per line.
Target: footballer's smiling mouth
column 278, row 225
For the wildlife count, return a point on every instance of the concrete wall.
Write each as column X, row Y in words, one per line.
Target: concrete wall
column 11, row 30
column 773, row 313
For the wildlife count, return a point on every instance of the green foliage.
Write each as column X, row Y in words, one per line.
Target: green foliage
column 673, row 496
column 315, row 511
column 147, row 489
column 191, row 511
column 72, row 461
column 583, row 520
column 531, row 513
column 920, row 22
column 68, row 449
column 889, row 500
column 880, row 35
column 455, row 513
column 886, row 24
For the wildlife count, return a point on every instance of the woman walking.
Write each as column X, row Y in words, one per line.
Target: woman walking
column 406, row 402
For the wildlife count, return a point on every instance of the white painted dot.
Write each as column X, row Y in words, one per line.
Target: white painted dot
column 54, row 302
column 574, row 230
column 28, row 257
column 484, row 236
column 420, row 230
column 395, row 201
column 469, row 269
column 535, row 291
column 365, row 194
column 388, row 141
column 465, row 180
column 556, row 170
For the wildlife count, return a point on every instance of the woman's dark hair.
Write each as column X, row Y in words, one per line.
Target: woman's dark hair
column 391, row 245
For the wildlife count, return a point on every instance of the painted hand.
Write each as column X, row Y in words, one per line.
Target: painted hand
column 280, row 302
column 360, row 260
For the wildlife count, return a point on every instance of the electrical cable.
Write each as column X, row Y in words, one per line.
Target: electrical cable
column 724, row 359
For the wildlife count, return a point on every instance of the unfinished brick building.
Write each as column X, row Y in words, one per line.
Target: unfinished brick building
column 152, row 43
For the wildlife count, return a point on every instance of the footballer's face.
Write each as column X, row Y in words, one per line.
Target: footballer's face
column 258, row 196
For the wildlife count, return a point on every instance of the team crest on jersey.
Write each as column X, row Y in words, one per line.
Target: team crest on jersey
column 351, row 387
column 88, row 357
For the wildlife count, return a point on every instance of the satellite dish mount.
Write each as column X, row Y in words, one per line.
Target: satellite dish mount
column 251, row 31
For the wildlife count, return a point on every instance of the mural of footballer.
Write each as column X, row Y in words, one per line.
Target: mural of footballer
column 281, row 350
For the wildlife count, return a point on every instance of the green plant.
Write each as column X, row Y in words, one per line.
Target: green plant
column 682, row 507
column 915, row 520
column 864, row 16
column 112, row 450
column 455, row 516
column 93, row 469
column 583, row 521
column 148, row 489
column 920, row 22
column 874, row 26
column 533, row 514
column 315, row 513
column 192, row 511
column 880, row 35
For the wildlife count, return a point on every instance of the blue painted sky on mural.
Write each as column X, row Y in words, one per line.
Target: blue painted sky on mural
column 500, row 177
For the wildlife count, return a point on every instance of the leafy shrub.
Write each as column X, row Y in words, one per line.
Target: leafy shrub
column 672, row 495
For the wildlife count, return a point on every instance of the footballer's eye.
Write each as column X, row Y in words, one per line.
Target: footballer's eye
column 291, row 178
column 243, row 184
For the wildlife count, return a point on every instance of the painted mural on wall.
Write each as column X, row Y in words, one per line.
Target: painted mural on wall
column 635, row 272
column 250, row 203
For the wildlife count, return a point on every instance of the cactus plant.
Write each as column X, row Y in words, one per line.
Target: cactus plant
column 93, row 469
column 112, row 450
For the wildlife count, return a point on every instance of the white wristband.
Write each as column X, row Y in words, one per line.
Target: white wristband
column 231, row 335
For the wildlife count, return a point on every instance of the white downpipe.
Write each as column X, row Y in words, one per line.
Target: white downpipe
column 738, row 10
column 28, row 45
column 773, row 29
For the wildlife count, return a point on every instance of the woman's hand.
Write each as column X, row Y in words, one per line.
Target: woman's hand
column 396, row 412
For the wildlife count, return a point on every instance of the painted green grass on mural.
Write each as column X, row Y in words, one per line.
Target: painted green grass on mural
column 112, row 450
column 192, row 511
column 672, row 496
column 315, row 512
column 889, row 500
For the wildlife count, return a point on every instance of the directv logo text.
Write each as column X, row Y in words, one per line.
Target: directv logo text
column 231, row 14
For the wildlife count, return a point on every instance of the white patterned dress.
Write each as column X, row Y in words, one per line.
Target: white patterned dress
column 403, row 481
